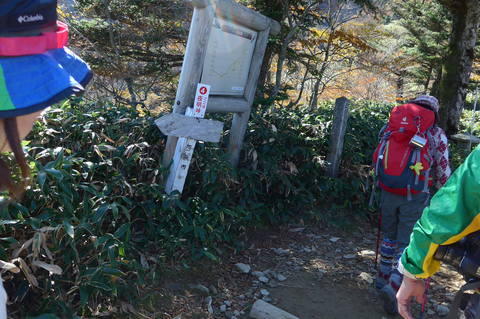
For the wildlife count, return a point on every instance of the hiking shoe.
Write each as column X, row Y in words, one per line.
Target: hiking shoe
column 388, row 295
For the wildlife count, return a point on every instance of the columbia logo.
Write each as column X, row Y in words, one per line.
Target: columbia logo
column 30, row 18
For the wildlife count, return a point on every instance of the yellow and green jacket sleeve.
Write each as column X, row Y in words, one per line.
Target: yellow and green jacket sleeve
column 454, row 212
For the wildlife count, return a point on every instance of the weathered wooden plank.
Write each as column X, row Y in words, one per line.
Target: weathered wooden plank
column 191, row 69
column 255, row 67
column 190, row 127
column 181, row 163
column 224, row 104
column 232, row 11
column 240, row 120
column 340, row 119
column 237, row 134
column 185, row 146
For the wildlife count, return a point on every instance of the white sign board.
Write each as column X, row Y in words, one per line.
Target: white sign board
column 185, row 146
column 228, row 58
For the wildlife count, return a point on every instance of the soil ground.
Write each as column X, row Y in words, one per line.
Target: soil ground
column 313, row 272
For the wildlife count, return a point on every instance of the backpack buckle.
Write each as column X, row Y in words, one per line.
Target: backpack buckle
column 418, row 142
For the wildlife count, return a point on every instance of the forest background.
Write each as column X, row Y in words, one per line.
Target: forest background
column 96, row 222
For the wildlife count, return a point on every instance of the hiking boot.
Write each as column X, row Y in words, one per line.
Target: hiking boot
column 472, row 310
column 388, row 295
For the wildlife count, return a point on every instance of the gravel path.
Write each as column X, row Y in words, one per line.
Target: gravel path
column 311, row 272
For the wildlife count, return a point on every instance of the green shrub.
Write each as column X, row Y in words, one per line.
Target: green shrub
column 97, row 210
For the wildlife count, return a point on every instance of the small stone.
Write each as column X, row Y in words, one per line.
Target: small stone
column 280, row 251
column 430, row 312
column 227, row 303
column 263, row 279
column 229, row 314
column 201, row 289
column 367, row 252
column 334, row 239
column 208, row 301
column 258, row 273
column 349, row 256
column 442, row 310
column 223, row 308
column 297, row 230
column 236, row 313
column 244, row 268
column 366, row 277
column 241, row 297
column 264, row 292
column 266, row 299
column 281, row 277
column 320, row 274
column 213, row 290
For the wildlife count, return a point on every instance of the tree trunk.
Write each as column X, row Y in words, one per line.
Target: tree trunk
column 400, row 87
column 427, row 80
column 436, row 83
column 302, row 87
column 281, row 61
column 131, row 91
column 314, row 99
column 267, row 61
column 458, row 63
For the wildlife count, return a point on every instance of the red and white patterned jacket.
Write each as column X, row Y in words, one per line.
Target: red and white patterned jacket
column 438, row 149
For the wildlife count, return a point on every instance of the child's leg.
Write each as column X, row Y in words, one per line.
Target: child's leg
column 389, row 211
column 409, row 213
column 387, row 254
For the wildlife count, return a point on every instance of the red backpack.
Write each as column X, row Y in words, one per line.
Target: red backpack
column 401, row 161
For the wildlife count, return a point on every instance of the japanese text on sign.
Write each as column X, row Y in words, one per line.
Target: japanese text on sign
column 201, row 100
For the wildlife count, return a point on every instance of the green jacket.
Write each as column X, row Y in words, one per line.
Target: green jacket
column 454, row 212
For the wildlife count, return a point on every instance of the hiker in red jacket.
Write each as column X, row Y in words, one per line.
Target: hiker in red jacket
column 411, row 158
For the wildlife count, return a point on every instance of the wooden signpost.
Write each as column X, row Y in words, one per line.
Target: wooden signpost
column 225, row 50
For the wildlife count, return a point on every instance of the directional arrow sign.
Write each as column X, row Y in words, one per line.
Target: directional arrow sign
column 178, row 125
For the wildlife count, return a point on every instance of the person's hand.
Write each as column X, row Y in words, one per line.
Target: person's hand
column 410, row 288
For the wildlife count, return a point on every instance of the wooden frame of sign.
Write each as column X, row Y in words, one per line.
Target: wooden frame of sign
column 204, row 13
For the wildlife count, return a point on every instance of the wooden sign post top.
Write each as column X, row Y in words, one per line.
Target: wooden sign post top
column 230, row 10
column 225, row 49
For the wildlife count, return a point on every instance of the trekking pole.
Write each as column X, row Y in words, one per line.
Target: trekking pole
column 379, row 226
column 424, row 304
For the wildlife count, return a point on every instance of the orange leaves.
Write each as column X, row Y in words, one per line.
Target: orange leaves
column 343, row 35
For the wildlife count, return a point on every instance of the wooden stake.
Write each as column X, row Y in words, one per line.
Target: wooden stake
column 340, row 118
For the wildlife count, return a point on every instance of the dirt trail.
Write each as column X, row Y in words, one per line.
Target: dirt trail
column 323, row 300
column 311, row 272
